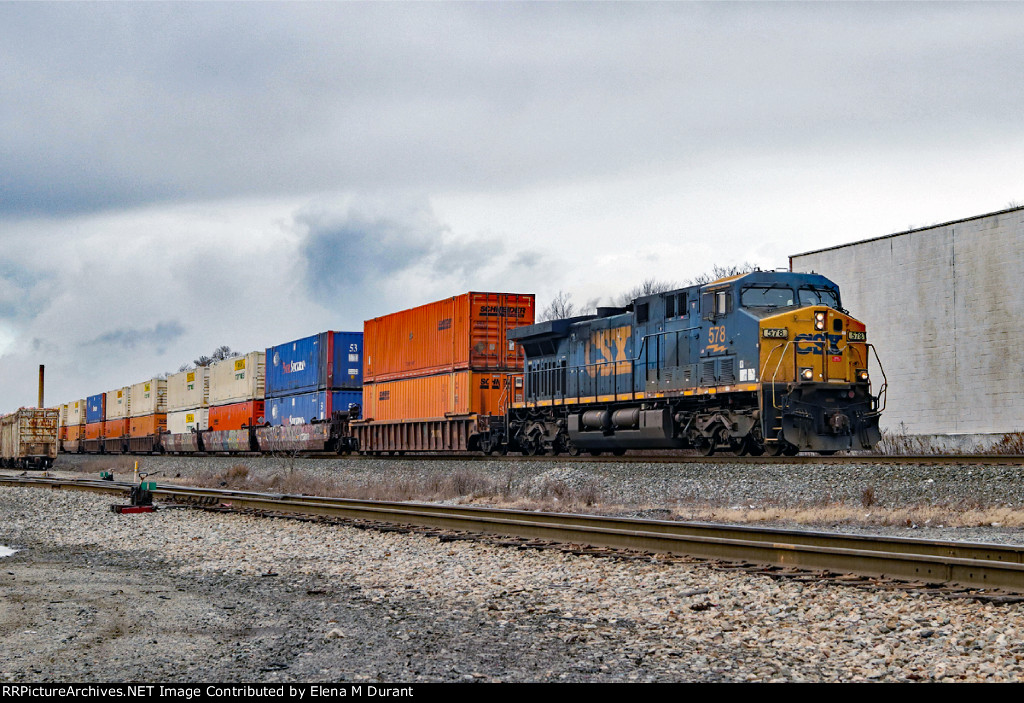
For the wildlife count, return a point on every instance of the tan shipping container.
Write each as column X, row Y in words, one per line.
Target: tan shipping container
column 467, row 331
column 149, row 398
column 441, row 395
column 76, row 412
column 188, row 389
column 237, row 379
column 62, row 422
column 184, row 421
column 119, row 403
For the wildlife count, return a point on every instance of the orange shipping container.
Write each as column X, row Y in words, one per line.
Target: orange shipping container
column 115, row 428
column 76, row 432
column 464, row 332
column 236, row 415
column 148, row 425
column 94, row 430
column 441, row 395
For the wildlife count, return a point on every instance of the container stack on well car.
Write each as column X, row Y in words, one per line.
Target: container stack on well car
column 188, row 410
column 236, row 403
column 95, row 413
column 116, row 420
column 439, row 377
column 148, row 415
column 313, row 388
column 73, row 430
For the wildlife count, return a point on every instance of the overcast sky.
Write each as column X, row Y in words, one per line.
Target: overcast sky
column 174, row 177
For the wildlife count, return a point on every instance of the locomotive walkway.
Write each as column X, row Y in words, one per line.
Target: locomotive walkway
column 926, row 563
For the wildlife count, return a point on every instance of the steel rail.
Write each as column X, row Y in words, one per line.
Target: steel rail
column 879, row 459
column 973, row 565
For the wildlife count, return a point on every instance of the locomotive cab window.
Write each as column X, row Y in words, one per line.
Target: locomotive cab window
column 670, row 306
column 814, row 295
column 767, row 297
column 716, row 304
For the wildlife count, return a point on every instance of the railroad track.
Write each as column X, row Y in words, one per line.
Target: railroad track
column 998, row 568
column 881, row 459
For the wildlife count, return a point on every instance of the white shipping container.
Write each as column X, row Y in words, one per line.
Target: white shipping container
column 184, row 421
column 76, row 413
column 188, row 389
column 237, row 379
column 119, row 403
column 149, row 397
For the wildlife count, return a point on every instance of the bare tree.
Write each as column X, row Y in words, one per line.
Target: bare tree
column 220, row 353
column 559, row 309
column 718, row 272
column 647, row 287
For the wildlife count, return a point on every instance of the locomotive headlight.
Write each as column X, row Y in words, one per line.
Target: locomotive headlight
column 806, row 374
column 861, row 375
column 819, row 320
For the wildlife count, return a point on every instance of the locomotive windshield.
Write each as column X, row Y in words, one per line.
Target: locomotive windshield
column 814, row 295
column 768, row 297
column 776, row 297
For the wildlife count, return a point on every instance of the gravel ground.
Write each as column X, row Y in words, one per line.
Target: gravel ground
column 184, row 595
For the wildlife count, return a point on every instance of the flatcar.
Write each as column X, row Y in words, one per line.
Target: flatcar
column 765, row 361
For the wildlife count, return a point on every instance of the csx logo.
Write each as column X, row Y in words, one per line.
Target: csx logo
column 818, row 347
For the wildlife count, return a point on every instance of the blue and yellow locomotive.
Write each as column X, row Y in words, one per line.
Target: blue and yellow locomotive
column 763, row 361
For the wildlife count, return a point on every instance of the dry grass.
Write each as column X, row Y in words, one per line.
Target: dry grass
column 461, row 486
column 467, row 487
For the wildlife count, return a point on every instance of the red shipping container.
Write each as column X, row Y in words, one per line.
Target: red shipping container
column 115, row 428
column 467, row 331
column 236, row 416
column 148, row 425
column 94, row 430
column 442, row 395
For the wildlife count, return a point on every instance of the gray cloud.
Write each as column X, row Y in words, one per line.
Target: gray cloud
column 347, row 245
column 156, row 338
column 113, row 105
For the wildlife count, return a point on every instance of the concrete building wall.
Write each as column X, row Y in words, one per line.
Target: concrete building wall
column 944, row 306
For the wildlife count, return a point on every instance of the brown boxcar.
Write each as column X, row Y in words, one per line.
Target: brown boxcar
column 463, row 332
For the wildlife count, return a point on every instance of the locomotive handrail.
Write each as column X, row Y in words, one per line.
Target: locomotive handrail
column 883, row 394
column 530, row 376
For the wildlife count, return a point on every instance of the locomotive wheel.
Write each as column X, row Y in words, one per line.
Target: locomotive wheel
column 594, row 452
column 753, row 448
column 740, row 446
column 570, row 447
column 706, row 447
column 619, row 451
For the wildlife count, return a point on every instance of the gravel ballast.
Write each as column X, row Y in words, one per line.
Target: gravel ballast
column 184, row 595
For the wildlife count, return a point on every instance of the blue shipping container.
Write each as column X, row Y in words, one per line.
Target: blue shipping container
column 302, row 408
column 95, row 408
column 325, row 361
